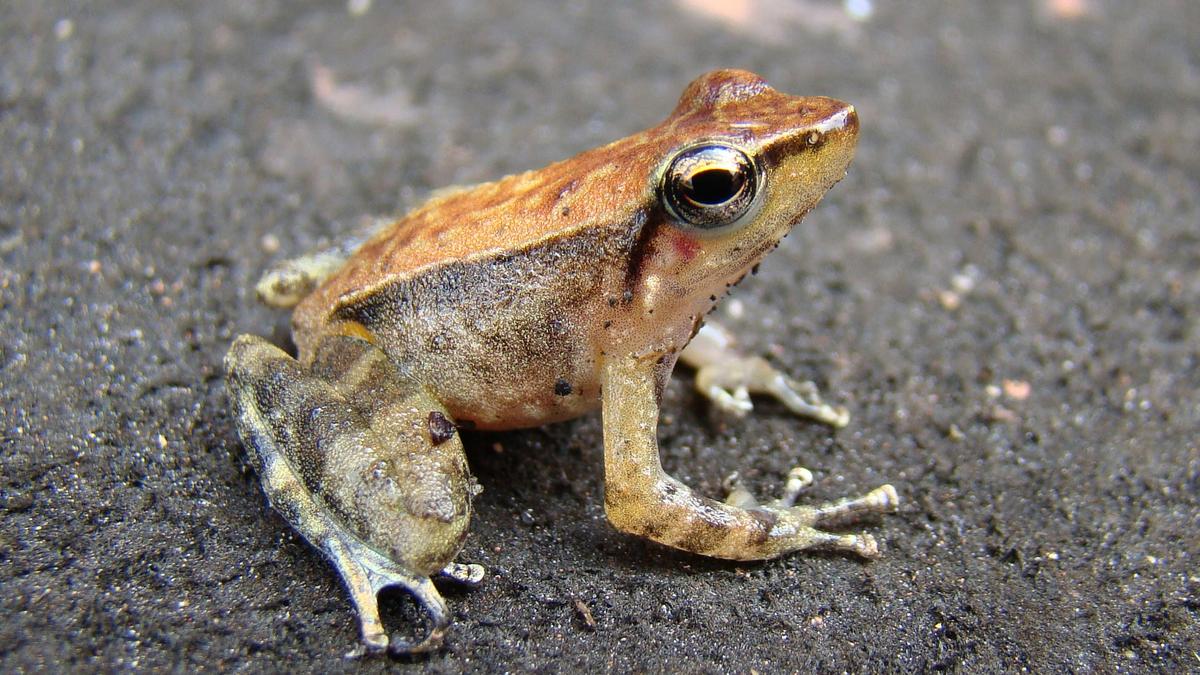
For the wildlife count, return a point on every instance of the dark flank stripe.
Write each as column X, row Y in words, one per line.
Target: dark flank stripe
column 646, row 227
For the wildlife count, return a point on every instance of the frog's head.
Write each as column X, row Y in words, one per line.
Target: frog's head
column 742, row 164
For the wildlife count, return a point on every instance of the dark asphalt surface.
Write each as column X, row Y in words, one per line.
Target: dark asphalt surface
column 1005, row 291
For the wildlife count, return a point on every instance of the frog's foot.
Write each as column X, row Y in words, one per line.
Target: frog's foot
column 357, row 460
column 467, row 575
column 729, row 384
column 807, row 519
column 728, row 378
column 366, row 574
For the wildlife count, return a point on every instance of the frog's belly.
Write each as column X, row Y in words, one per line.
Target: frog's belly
column 499, row 369
column 504, row 342
column 501, row 379
column 530, row 402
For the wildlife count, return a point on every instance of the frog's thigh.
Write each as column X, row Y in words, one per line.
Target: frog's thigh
column 727, row 378
column 642, row 499
column 362, row 464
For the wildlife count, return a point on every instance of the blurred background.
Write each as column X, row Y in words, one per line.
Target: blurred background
column 1004, row 291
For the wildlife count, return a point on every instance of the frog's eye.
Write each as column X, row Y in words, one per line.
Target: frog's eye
column 710, row 186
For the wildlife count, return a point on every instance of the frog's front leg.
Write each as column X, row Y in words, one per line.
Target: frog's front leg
column 727, row 378
column 362, row 463
column 642, row 499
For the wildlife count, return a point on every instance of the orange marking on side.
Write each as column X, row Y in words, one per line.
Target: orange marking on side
column 356, row 330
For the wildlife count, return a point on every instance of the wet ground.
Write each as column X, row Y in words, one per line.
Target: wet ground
column 1005, row 291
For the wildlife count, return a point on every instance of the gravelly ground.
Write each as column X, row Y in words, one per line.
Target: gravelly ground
column 1005, row 291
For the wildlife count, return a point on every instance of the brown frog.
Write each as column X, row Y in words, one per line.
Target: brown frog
column 538, row 298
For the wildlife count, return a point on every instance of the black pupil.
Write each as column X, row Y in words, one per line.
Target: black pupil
column 714, row 186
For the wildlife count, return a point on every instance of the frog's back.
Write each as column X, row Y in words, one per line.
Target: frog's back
column 607, row 189
column 513, row 213
column 597, row 189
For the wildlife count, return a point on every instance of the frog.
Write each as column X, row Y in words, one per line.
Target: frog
column 534, row 299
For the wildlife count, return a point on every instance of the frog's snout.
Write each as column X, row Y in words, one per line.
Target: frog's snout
column 837, row 116
column 850, row 120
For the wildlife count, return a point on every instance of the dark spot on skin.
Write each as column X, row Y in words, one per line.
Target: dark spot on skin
column 556, row 326
column 712, row 298
column 564, row 192
column 440, row 428
column 568, row 188
column 562, row 388
column 754, row 270
column 627, row 297
column 608, row 324
column 766, row 519
column 669, row 490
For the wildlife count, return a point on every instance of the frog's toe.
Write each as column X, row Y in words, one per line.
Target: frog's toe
column 805, row 522
column 882, row 499
column 804, row 399
column 807, row 519
column 439, row 616
column 730, row 382
column 797, row 479
column 858, row 544
column 737, row 494
column 735, row 402
column 466, row 574
column 366, row 574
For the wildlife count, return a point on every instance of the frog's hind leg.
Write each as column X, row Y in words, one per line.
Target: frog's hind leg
column 364, row 465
